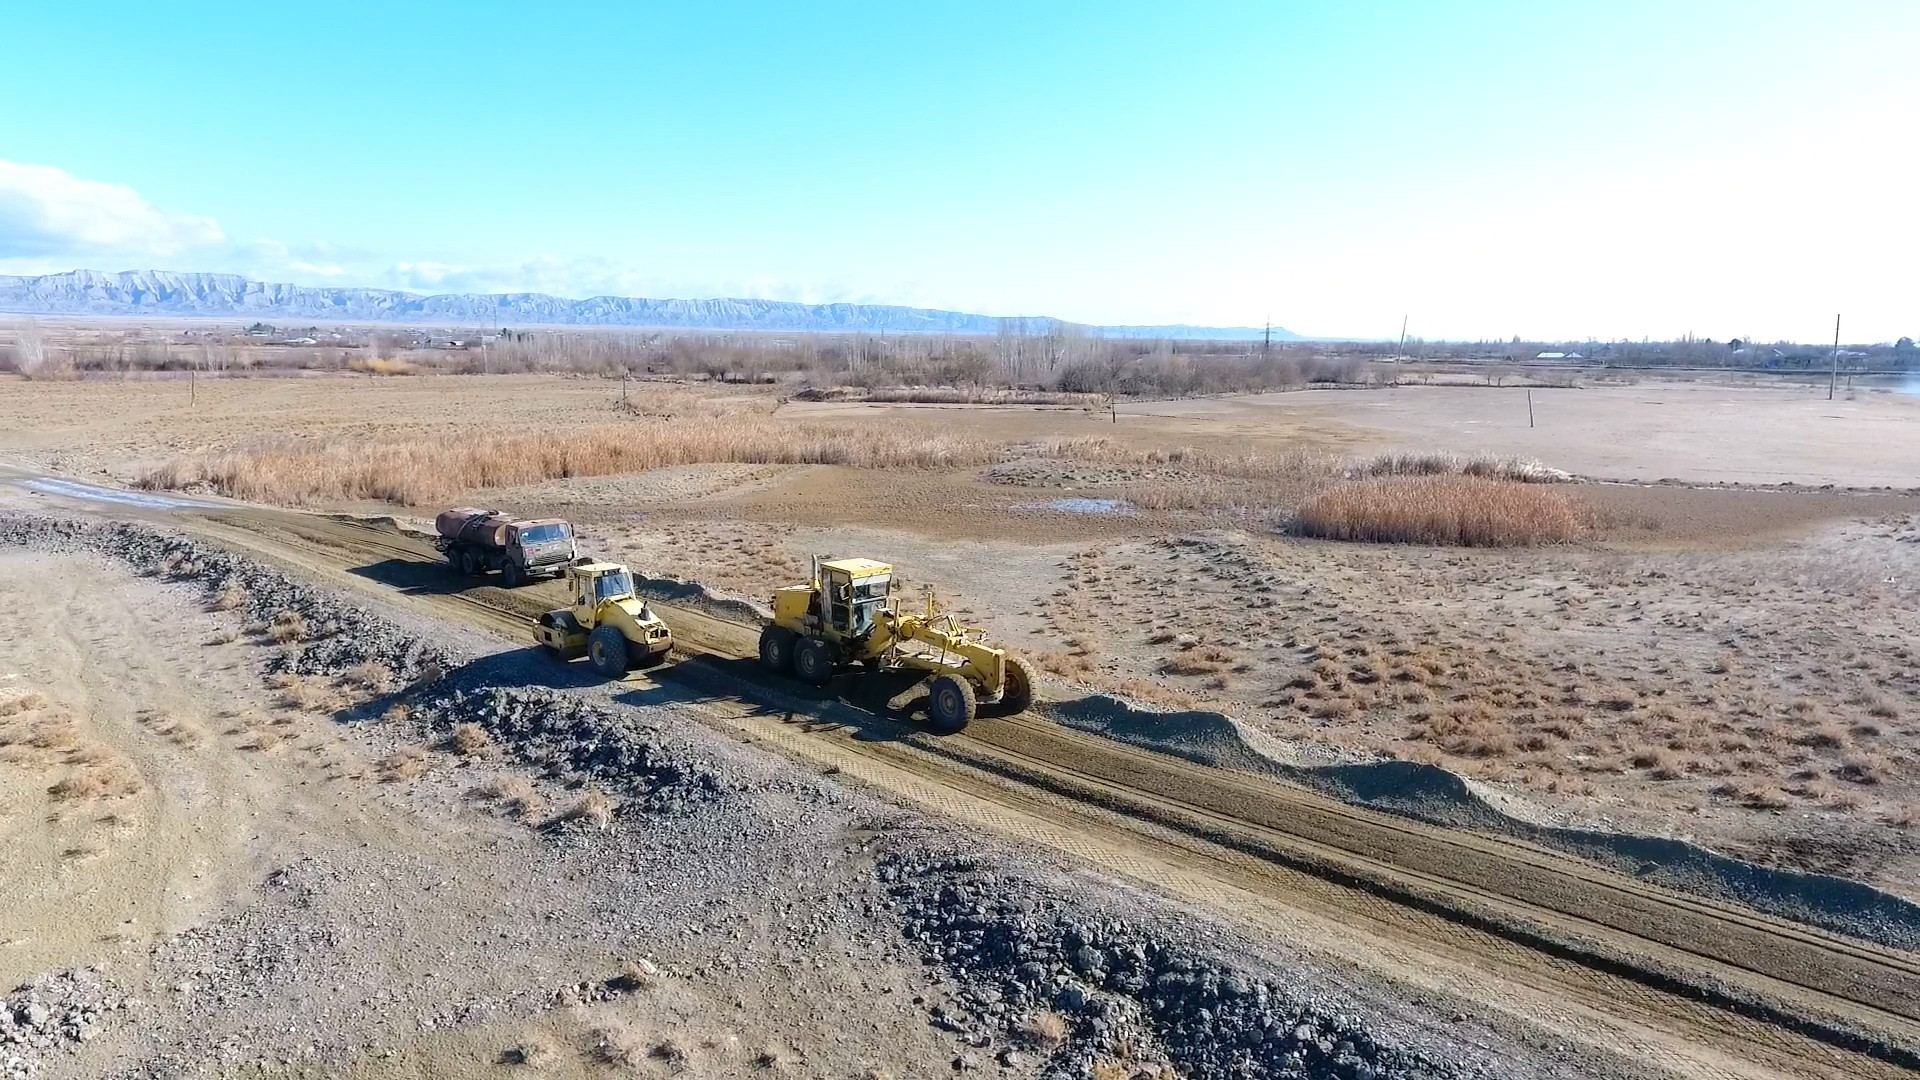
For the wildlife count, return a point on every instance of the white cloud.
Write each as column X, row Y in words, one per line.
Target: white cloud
column 47, row 212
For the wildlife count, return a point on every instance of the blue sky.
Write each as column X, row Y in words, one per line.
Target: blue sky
column 1551, row 170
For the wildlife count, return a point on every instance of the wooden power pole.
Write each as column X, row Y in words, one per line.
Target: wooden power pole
column 1835, row 377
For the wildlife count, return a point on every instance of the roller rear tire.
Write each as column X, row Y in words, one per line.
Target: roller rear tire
column 607, row 651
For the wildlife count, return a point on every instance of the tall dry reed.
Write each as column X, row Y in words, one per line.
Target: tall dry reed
column 437, row 467
column 1448, row 509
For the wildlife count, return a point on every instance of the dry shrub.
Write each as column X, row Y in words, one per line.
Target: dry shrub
column 1468, row 729
column 231, row 597
column 471, row 740
column 405, row 763
column 287, row 627
column 1523, row 470
column 1186, row 664
column 670, row 1052
column 180, row 732
column 1067, row 665
column 1827, row 736
column 615, row 1045
column 31, row 701
column 594, row 808
column 1862, row 769
column 1754, row 796
column 514, row 793
column 55, row 733
column 530, row 1052
column 304, row 692
column 1045, row 1029
column 371, row 676
column 1463, row 510
column 111, row 780
column 430, row 672
column 375, row 365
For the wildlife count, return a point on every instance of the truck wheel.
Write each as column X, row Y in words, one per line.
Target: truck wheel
column 776, row 650
column 513, row 575
column 1017, row 694
column 463, row 562
column 812, row 662
column 607, row 650
column 950, row 704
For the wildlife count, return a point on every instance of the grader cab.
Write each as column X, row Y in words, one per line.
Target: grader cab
column 846, row 615
column 607, row 622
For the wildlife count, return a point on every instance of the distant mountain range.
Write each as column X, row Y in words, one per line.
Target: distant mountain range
column 165, row 293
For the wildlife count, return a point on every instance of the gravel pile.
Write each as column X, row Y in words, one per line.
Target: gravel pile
column 577, row 738
column 1130, row 994
column 51, row 1015
column 337, row 635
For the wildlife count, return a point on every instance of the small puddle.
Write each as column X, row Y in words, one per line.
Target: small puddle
column 1081, row 506
column 74, row 489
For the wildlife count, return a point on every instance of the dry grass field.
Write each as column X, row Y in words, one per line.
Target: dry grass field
column 1727, row 662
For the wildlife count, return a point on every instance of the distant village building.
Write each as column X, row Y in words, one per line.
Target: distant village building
column 1559, row 356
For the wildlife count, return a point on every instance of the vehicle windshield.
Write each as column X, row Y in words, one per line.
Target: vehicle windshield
column 540, row 534
column 613, row 586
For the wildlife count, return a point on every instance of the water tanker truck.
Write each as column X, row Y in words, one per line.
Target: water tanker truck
column 477, row 542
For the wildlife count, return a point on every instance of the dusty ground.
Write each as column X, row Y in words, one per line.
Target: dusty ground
column 1702, row 432
column 216, row 870
column 1725, row 663
column 172, row 820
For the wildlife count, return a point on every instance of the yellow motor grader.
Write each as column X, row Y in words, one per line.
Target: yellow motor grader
column 607, row 622
column 845, row 615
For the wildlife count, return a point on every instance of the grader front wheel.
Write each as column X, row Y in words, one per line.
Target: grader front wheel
column 1018, row 693
column 950, row 703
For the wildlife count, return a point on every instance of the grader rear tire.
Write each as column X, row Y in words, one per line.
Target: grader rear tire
column 776, row 650
column 607, row 651
column 950, row 704
column 813, row 662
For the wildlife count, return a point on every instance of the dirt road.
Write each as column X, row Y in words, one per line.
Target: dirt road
column 1701, row 989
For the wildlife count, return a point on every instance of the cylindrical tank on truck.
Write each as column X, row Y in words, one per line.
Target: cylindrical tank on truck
column 479, row 541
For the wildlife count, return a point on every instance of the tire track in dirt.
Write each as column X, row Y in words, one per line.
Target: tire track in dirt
column 1632, row 960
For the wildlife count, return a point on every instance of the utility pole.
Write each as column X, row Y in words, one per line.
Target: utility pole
column 1266, row 339
column 1835, row 377
column 1400, row 354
